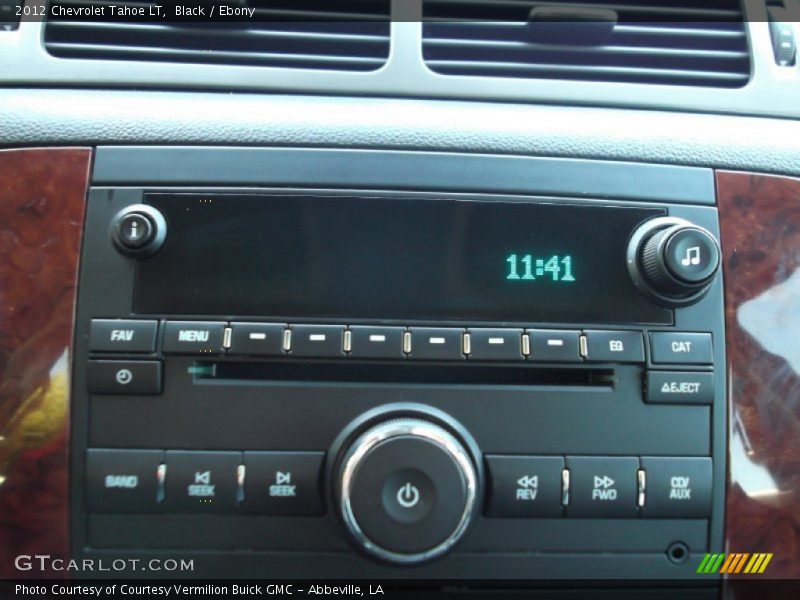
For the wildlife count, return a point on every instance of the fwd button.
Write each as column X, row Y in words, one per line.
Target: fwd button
column 602, row 486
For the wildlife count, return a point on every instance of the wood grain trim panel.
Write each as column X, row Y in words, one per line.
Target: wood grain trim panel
column 42, row 202
column 760, row 225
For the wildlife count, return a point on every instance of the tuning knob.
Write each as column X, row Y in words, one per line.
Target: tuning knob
column 407, row 490
column 672, row 261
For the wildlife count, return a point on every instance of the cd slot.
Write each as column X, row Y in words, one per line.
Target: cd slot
column 404, row 373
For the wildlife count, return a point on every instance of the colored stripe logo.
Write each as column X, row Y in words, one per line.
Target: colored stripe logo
column 734, row 562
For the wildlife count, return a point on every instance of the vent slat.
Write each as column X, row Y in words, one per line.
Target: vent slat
column 492, row 38
column 585, row 70
column 213, row 55
column 455, row 45
column 347, row 35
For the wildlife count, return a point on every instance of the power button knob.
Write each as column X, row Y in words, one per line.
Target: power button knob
column 138, row 230
column 407, row 490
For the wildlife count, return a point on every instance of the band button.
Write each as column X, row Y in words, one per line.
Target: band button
column 122, row 480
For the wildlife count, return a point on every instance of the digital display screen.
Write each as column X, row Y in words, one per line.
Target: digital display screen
column 290, row 257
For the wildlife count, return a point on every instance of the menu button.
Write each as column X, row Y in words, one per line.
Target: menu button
column 193, row 337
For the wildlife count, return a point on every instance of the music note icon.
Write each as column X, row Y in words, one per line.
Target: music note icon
column 692, row 256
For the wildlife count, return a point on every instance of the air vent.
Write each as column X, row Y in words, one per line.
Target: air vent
column 341, row 35
column 678, row 42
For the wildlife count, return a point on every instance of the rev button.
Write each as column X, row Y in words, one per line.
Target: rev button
column 118, row 335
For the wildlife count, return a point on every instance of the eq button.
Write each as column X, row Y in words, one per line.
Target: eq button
column 614, row 346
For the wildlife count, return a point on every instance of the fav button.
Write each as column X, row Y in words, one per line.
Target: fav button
column 124, row 377
column 681, row 348
column 201, row 481
column 524, row 486
column 193, row 337
column 122, row 481
column 680, row 387
column 118, row 335
column 602, row 486
column 283, row 483
column 614, row 346
column 677, row 487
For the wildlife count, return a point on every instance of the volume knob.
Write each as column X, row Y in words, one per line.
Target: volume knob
column 407, row 490
column 673, row 261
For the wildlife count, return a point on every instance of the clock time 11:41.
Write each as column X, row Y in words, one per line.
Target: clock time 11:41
column 525, row 267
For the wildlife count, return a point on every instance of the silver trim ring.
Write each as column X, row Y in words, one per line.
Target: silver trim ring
column 407, row 427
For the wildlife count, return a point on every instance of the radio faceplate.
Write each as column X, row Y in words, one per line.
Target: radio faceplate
column 232, row 392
